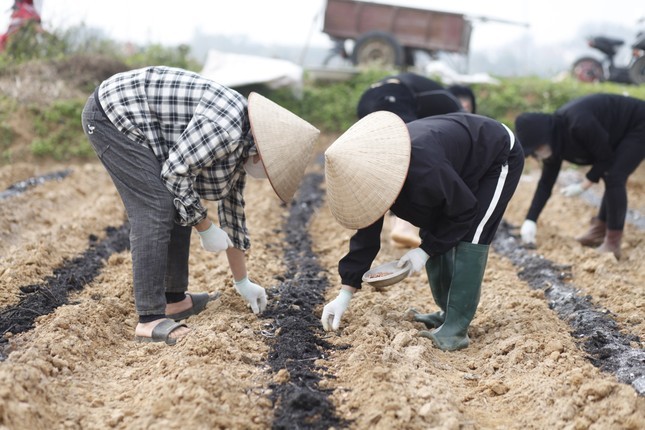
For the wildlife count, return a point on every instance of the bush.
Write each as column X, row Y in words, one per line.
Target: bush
column 31, row 42
column 332, row 106
column 59, row 135
column 513, row 96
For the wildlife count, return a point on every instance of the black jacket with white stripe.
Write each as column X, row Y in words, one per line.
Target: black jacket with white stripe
column 451, row 155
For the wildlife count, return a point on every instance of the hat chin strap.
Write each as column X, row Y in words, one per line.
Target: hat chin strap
column 255, row 170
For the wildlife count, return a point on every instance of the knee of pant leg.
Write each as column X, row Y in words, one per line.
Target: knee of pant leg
column 156, row 207
column 615, row 180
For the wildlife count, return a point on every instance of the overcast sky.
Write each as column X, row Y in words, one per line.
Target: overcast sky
column 173, row 22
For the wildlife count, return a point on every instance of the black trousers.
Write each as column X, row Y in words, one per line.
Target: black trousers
column 494, row 193
column 628, row 156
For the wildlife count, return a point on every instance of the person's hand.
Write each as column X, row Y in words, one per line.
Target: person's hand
column 528, row 232
column 214, row 239
column 334, row 310
column 572, row 190
column 417, row 258
column 254, row 294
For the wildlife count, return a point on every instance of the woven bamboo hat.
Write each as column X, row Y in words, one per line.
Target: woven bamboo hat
column 365, row 169
column 285, row 144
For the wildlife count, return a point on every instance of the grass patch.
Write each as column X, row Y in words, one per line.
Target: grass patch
column 58, row 132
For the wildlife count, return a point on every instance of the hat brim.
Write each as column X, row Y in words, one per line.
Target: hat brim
column 285, row 143
column 365, row 169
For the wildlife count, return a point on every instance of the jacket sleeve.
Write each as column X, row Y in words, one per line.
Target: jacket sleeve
column 199, row 146
column 550, row 172
column 232, row 218
column 596, row 140
column 363, row 248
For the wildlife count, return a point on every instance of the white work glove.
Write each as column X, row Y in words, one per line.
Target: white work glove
column 417, row 258
column 254, row 294
column 334, row 310
column 528, row 232
column 214, row 239
column 572, row 190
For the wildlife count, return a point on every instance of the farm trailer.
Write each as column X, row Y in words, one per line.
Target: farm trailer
column 389, row 35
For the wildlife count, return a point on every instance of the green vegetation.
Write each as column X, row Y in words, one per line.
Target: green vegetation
column 32, row 43
column 55, row 127
column 516, row 95
column 331, row 106
column 58, row 131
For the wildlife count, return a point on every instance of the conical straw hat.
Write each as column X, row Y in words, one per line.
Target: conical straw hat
column 285, row 143
column 365, row 169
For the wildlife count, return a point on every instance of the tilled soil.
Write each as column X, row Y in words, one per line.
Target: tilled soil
column 74, row 365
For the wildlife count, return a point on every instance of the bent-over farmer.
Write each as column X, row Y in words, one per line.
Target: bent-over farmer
column 412, row 96
column 451, row 175
column 605, row 131
column 169, row 138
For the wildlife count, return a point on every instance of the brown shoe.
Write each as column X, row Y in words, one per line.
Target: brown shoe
column 612, row 241
column 595, row 235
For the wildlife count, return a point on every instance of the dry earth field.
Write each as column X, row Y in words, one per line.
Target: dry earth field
column 71, row 363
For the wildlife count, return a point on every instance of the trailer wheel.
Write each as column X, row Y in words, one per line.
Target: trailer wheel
column 377, row 48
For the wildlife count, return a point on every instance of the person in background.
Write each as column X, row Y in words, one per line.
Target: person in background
column 169, row 138
column 23, row 14
column 605, row 131
column 466, row 97
column 451, row 175
column 412, row 96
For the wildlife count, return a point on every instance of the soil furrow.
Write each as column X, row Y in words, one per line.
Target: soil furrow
column 593, row 197
column 22, row 186
column 41, row 299
column 609, row 347
column 299, row 402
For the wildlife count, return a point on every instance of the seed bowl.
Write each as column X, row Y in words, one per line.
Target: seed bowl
column 386, row 274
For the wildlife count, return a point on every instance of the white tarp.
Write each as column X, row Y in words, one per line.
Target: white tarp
column 449, row 76
column 235, row 70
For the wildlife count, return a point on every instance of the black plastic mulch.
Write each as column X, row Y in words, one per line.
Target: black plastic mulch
column 608, row 347
column 41, row 299
column 298, row 339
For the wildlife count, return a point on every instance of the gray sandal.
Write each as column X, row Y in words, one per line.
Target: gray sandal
column 161, row 332
column 200, row 300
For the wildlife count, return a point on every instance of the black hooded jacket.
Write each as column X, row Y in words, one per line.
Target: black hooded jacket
column 450, row 155
column 408, row 95
column 587, row 131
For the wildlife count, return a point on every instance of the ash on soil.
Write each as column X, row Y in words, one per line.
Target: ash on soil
column 42, row 299
column 22, row 186
column 609, row 348
column 300, row 403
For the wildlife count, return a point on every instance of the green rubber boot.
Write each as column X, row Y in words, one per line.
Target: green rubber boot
column 463, row 297
column 439, row 270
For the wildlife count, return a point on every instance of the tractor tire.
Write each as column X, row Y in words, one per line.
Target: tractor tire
column 377, row 49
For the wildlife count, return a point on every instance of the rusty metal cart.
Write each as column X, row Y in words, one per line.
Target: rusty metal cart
column 389, row 35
